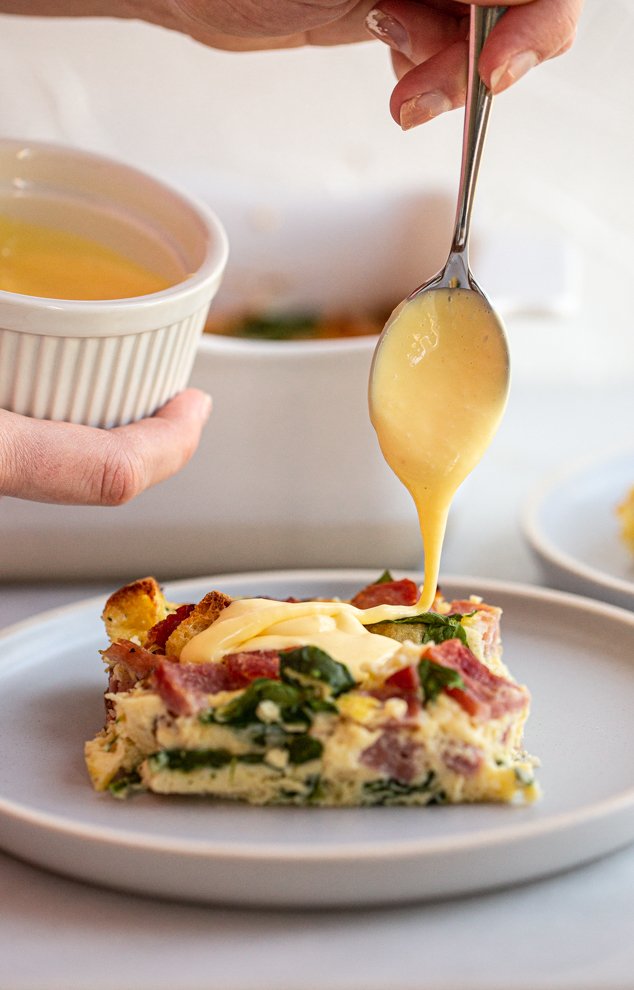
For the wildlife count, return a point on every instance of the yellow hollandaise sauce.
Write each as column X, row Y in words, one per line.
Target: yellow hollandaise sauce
column 438, row 389
column 335, row 627
column 54, row 264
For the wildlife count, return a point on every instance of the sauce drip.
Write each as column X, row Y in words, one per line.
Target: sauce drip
column 54, row 264
column 438, row 389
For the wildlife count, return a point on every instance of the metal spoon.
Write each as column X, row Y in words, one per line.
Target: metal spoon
column 440, row 372
column 456, row 273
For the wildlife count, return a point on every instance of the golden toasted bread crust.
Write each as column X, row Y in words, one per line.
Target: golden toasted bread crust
column 206, row 612
column 132, row 610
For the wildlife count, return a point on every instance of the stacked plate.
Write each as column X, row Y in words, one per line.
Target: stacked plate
column 572, row 526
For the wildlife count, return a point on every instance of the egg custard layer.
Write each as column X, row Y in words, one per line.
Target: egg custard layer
column 367, row 702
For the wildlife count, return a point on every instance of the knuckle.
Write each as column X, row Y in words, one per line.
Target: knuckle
column 567, row 30
column 118, row 479
column 566, row 44
column 23, row 459
column 187, row 449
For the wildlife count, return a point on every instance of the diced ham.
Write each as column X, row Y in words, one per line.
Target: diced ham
column 463, row 759
column 487, row 621
column 242, row 668
column 485, row 695
column 120, row 679
column 127, row 663
column 159, row 634
column 403, row 592
column 394, row 755
column 462, row 606
column 184, row 686
column 138, row 661
column 403, row 683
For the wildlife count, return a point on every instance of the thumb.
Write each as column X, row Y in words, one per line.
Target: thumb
column 68, row 464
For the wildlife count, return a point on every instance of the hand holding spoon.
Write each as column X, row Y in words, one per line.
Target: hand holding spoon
column 440, row 373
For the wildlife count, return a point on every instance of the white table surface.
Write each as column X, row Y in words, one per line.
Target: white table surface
column 574, row 931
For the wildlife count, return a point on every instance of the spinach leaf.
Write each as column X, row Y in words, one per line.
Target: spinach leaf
column 388, row 790
column 321, row 705
column 187, row 760
column 434, row 677
column 241, row 710
column 190, row 759
column 312, row 663
column 386, row 578
column 269, row 735
column 311, row 792
column 437, row 627
column 301, row 749
column 124, row 783
column 283, row 326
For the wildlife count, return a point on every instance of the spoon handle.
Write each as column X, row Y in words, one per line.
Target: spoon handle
column 478, row 104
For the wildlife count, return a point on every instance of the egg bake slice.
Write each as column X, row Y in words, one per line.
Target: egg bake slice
column 310, row 702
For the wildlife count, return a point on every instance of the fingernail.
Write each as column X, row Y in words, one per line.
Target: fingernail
column 422, row 108
column 516, row 67
column 387, row 29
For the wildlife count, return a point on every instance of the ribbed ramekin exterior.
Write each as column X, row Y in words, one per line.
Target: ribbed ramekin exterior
column 97, row 381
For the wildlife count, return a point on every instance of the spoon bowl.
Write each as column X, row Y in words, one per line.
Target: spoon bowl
column 440, row 373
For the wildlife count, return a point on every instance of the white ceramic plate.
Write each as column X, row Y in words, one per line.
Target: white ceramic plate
column 576, row 655
column 571, row 524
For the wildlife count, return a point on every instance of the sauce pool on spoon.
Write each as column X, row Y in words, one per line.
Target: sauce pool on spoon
column 438, row 389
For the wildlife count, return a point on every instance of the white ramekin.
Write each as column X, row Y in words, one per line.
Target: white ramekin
column 105, row 362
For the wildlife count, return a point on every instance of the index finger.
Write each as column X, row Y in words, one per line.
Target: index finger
column 530, row 32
